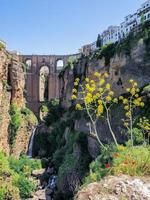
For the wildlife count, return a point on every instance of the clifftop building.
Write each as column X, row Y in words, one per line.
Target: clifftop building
column 114, row 33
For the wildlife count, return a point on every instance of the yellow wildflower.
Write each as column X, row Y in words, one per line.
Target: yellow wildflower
column 102, row 81
column 128, row 114
column 100, row 102
column 121, row 148
column 126, row 124
column 77, row 80
column 125, row 101
column 142, row 104
column 136, row 95
column 97, row 74
column 131, row 81
column 73, row 97
column 100, row 110
column 128, row 89
column 76, row 83
column 101, row 90
column 106, row 75
column 132, row 91
column 111, row 93
column 78, row 107
column 108, row 98
column 98, row 95
column 108, row 86
column 126, row 107
column 115, row 100
column 74, row 90
column 135, row 84
column 121, row 98
column 87, row 79
column 92, row 81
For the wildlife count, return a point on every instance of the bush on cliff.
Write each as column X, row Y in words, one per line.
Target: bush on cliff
column 15, row 123
column 18, row 117
column 14, row 177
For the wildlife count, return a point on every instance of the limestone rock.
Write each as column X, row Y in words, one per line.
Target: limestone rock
column 117, row 188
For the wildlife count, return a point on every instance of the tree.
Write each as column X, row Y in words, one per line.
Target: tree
column 96, row 97
column 99, row 41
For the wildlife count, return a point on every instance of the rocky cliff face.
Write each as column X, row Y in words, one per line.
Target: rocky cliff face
column 12, row 82
column 122, row 67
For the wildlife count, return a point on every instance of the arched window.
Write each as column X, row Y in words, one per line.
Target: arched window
column 44, row 72
column 59, row 65
column 28, row 63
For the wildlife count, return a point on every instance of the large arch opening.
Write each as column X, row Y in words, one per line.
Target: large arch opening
column 43, row 89
column 59, row 64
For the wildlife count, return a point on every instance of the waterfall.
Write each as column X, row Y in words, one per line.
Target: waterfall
column 30, row 147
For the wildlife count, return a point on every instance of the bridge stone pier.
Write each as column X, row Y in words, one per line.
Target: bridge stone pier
column 51, row 66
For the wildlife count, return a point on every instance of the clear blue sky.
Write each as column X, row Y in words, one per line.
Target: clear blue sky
column 58, row 26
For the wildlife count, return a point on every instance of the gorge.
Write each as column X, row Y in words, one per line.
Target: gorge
column 61, row 138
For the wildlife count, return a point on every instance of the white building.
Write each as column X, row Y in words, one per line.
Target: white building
column 93, row 46
column 115, row 33
column 144, row 10
column 130, row 22
column 111, row 35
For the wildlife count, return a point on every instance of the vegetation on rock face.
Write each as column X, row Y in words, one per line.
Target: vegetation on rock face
column 2, row 46
column 16, row 120
column 15, row 181
column 18, row 117
column 96, row 97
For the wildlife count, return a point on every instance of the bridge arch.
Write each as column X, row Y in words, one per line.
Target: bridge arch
column 28, row 62
column 43, row 83
column 59, row 64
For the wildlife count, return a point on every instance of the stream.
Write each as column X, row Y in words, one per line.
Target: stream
column 46, row 188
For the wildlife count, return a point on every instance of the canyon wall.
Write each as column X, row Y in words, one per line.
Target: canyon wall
column 121, row 68
column 12, row 82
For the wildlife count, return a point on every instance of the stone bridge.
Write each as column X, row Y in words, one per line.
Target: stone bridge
column 42, row 81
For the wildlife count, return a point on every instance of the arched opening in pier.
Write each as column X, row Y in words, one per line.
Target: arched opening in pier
column 43, row 89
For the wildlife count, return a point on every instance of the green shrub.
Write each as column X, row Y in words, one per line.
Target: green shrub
column 29, row 116
column 16, row 119
column 2, row 46
column 24, row 165
column 100, row 167
column 138, row 136
column 132, row 161
column 14, row 177
column 26, row 187
column 8, row 191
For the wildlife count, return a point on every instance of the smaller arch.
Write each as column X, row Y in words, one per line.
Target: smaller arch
column 59, row 64
column 28, row 62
